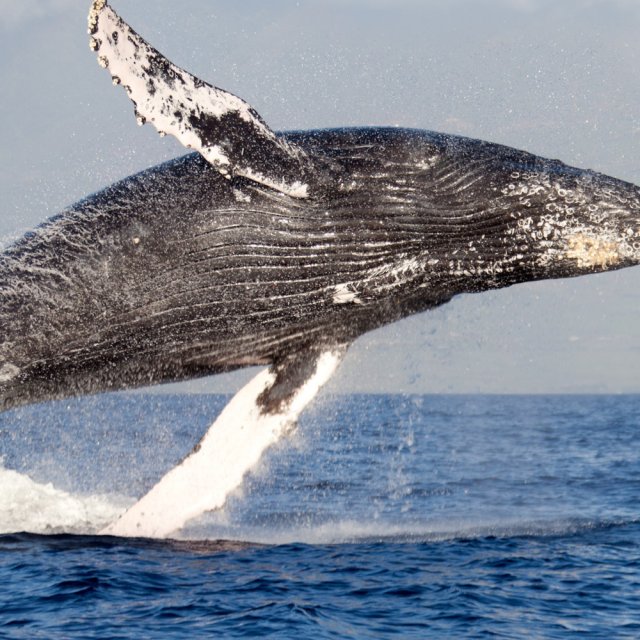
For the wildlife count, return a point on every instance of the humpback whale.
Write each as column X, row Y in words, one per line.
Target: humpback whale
column 274, row 249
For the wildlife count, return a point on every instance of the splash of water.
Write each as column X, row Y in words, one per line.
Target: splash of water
column 28, row 506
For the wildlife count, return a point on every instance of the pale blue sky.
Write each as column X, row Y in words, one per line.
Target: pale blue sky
column 559, row 78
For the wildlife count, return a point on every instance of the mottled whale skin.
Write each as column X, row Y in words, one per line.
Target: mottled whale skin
column 268, row 248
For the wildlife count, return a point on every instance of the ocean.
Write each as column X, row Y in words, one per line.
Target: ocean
column 381, row 516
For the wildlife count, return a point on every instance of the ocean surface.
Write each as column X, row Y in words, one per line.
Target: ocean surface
column 380, row 517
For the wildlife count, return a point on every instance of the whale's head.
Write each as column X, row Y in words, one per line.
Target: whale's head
column 582, row 222
column 493, row 216
column 445, row 215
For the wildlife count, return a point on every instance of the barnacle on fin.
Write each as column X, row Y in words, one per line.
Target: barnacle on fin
column 96, row 8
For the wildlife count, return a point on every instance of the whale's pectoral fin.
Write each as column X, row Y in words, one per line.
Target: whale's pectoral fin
column 255, row 418
column 223, row 128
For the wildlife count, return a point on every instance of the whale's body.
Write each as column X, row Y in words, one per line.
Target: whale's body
column 178, row 272
column 274, row 249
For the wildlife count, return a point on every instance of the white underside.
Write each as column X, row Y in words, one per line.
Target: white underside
column 232, row 445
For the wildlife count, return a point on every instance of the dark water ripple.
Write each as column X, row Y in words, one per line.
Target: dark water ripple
column 423, row 517
column 553, row 586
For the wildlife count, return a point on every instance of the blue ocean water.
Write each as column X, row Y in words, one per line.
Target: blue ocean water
column 382, row 516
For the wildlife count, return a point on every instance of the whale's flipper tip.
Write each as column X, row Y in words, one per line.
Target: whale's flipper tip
column 223, row 128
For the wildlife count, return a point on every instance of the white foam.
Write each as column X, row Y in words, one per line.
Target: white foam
column 41, row 508
column 349, row 531
column 28, row 506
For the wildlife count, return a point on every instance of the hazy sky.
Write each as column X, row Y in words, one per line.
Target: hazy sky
column 559, row 78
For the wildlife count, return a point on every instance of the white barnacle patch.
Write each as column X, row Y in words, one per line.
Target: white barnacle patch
column 592, row 251
column 94, row 14
column 345, row 294
column 8, row 372
column 241, row 196
column 576, row 221
column 587, row 243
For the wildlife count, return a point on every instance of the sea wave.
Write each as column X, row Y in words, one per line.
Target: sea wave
column 27, row 506
column 40, row 508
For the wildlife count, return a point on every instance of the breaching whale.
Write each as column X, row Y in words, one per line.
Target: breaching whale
column 276, row 249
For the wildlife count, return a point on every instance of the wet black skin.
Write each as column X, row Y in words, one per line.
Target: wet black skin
column 178, row 272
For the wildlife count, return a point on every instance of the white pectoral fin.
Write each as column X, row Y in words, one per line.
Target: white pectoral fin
column 224, row 129
column 235, row 442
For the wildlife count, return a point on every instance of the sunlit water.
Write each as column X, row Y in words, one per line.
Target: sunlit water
column 382, row 516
